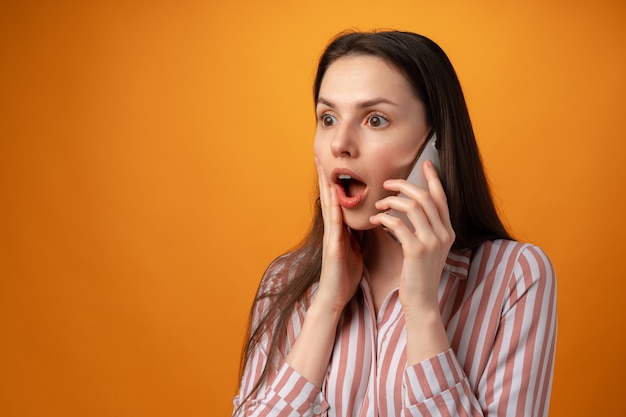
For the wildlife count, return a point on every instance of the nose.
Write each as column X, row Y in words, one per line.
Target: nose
column 344, row 141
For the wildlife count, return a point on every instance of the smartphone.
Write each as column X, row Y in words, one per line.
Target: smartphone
column 416, row 176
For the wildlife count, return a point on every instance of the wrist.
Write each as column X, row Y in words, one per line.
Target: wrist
column 422, row 312
column 324, row 311
column 325, row 302
column 426, row 335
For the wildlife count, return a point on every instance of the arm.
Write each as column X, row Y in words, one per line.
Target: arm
column 296, row 388
column 517, row 378
column 425, row 251
column 284, row 392
column 342, row 268
column 523, row 356
column 434, row 380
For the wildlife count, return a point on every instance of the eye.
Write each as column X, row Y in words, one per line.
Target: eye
column 327, row 120
column 376, row 120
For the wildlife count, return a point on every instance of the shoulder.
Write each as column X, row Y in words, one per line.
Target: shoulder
column 280, row 272
column 273, row 287
column 504, row 251
column 517, row 257
column 292, row 273
column 520, row 266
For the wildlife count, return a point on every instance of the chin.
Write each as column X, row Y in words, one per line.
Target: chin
column 359, row 221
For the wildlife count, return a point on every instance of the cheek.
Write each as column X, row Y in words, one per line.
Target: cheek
column 316, row 147
column 321, row 152
column 319, row 145
column 394, row 163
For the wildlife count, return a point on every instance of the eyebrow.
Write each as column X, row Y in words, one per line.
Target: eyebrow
column 362, row 105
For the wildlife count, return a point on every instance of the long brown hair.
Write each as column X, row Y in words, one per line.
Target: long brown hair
column 472, row 211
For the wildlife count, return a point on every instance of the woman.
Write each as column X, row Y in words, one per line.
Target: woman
column 442, row 314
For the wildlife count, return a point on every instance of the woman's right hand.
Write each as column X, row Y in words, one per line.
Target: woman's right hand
column 342, row 262
column 342, row 267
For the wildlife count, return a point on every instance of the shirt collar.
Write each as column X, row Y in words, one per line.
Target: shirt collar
column 458, row 263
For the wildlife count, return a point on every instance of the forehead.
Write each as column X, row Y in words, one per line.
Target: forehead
column 357, row 78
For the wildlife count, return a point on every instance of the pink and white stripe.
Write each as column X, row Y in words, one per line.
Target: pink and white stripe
column 498, row 303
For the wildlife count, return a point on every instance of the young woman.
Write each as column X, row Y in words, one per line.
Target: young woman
column 441, row 314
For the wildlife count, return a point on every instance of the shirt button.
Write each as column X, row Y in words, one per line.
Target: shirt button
column 317, row 409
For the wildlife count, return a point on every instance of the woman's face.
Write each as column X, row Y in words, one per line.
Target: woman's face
column 370, row 126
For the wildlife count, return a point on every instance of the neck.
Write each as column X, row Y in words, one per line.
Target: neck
column 383, row 257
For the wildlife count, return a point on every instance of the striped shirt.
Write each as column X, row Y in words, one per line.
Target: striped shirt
column 498, row 304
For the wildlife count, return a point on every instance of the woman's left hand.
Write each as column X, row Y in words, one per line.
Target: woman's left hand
column 425, row 249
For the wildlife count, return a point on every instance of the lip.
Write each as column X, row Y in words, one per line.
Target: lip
column 345, row 201
column 334, row 175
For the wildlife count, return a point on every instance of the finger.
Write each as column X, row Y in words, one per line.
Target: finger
column 331, row 211
column 324, row 191
column 336, row 218
column 432, row 201
column 415, row 212
column 394, row 225
column 418, row 206
column 324, row 202
column 321, row 179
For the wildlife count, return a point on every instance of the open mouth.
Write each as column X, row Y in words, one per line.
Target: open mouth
column 351, row 186
column 351, row 191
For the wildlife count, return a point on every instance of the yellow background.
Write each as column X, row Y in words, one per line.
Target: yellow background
column 155, row 156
